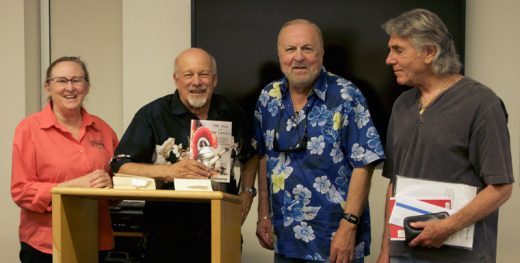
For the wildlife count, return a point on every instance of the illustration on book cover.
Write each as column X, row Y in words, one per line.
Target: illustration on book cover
column 211, row 143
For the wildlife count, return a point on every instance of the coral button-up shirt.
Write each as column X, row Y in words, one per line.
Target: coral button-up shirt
column 46, row 154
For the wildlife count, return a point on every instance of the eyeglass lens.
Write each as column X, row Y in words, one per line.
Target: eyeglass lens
column 291, row 139
column 75, row 81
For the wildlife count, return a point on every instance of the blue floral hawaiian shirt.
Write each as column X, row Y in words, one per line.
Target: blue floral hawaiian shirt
column 310, row 158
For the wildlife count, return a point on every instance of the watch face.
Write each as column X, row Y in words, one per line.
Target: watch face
column 250, row 190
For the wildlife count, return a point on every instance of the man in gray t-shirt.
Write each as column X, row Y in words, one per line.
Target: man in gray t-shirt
column 448, row 128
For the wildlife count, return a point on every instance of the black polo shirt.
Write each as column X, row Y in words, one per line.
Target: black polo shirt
column 164, row 124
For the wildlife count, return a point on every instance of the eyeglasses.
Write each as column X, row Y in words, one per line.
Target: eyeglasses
column 63, row 81
column 292, row 140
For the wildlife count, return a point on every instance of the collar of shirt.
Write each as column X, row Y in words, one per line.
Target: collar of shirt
column 319, row 89
column 50, row 120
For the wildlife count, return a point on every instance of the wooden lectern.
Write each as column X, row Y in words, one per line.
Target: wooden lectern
column 75, row 221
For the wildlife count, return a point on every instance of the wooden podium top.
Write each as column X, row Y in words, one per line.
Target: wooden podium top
column 141, row 194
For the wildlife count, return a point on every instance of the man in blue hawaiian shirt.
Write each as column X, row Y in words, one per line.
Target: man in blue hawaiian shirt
column 319, row 147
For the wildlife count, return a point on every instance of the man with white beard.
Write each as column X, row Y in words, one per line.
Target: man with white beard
column 156, row 145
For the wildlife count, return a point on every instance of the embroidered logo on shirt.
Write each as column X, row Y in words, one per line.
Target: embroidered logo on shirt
column 97, row 144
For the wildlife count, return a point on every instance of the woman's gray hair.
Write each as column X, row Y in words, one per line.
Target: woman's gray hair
column 424, row 28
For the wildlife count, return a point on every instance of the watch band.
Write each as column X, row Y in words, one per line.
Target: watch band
column 351, row 218
column 250, row 190
column 263, row 219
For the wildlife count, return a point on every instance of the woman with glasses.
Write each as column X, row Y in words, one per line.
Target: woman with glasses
column 62, row 145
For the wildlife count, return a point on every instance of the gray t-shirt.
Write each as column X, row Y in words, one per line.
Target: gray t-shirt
column 462, row 137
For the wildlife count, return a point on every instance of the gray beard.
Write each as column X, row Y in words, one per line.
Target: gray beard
column 197, row 103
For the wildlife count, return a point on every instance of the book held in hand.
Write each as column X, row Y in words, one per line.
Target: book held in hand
column 211, row 143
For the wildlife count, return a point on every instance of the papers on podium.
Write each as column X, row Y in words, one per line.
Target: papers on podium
column 125, row 181
column 419, row 196
column 192, row 184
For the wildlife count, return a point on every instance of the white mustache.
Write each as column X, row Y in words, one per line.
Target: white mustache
column 198, row 89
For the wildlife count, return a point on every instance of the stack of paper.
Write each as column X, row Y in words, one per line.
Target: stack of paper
column 125, row 181
column 192, row 184
column 419, row 197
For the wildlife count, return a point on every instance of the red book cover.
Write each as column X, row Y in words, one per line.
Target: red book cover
column 211, row 143
column 397, row 232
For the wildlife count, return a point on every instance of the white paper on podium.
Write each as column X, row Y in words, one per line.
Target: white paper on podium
column 125, row 181
column 459, row 194
column 193, row 184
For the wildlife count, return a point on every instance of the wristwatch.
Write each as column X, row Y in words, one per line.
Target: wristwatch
column 250, row 190
column 351, row 218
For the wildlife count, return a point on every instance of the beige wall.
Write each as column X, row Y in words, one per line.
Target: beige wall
column 130, row 45
column 32, row 56
column 154, row 32
column 12, row 110
column 92, row 30
column 492, row 37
